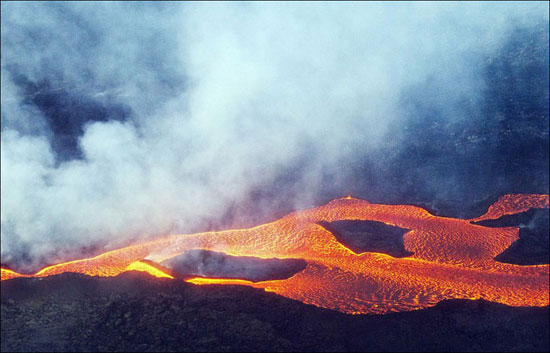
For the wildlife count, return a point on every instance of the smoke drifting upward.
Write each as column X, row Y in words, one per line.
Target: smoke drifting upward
column 123, row 121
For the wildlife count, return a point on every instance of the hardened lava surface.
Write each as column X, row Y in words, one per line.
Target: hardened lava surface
column 451, row 258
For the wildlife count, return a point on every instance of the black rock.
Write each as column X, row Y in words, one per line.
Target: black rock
column 214, row 264
column 139, row 313
column 533, row 245
column 369, row 236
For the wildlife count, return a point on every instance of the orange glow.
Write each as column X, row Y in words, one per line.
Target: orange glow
column 8, row 274
column 201, row 280
column 141, row 266
column 452, row 258
column 514, row 203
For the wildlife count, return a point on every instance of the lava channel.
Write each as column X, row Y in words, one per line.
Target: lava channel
column 450, row 258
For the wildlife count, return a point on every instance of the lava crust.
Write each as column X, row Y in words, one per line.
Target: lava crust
column 214, row 264
column 369, row 236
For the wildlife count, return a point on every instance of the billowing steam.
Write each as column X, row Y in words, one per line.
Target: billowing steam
column 129, row 120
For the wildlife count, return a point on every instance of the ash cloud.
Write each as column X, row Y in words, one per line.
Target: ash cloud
column 125, row 121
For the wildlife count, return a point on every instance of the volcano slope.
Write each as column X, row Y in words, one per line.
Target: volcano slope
column 138, row 312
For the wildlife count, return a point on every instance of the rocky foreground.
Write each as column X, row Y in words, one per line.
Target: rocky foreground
column 136, row 312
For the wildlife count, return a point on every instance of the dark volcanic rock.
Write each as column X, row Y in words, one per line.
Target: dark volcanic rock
column 533, row 245
column 136, row 312
column 369, row 236
column 456, row 209
column 219, row 265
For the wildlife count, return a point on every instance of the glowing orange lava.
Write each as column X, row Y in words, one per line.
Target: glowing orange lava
column 452, row 258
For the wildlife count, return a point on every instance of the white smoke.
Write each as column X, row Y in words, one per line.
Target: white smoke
column 223, row 99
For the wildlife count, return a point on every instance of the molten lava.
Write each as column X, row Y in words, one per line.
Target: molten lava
column 452, row 258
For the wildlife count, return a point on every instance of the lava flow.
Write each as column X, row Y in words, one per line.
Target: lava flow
column 452, row 258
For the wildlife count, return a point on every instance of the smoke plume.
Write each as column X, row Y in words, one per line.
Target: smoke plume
column 126, row 121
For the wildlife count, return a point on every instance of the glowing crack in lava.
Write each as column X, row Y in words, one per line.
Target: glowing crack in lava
column 452, row 258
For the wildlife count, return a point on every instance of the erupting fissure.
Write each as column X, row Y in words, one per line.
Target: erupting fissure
column 451, row 258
